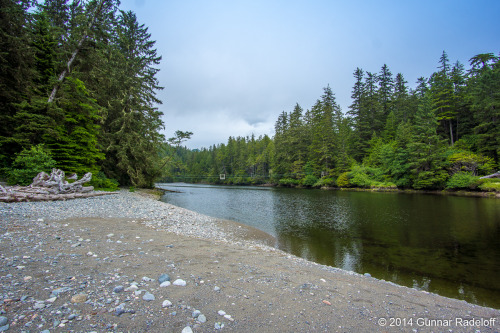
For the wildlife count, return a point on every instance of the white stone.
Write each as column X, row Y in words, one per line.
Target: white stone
column 166, row 303
column 165, row 284
column 221, row 313
column 179, row 282
column 187, row 329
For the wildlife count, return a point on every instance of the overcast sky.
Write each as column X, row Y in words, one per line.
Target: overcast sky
column 230, row 67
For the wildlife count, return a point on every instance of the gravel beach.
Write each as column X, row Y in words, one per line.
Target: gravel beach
column 129, row 263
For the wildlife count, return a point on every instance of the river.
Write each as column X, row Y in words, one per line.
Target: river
column 442, row 244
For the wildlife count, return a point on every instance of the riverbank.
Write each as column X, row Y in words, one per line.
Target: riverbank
column 92, row 265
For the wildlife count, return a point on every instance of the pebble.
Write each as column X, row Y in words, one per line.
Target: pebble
column 79, row 298
column 216, row 288
column 147, row 279
column 166, row 303
column 201, row 318
column 196, row 313
column 118, row 289
column 179, row 282
column 163, row 278
column 165, row 284
column 221, row 312
column 218, row 326
column 148, row 296
column 3, row 321
column 187, row 329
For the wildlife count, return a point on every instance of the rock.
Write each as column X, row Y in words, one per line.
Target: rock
column 39, row 305
column 119, row 310
column 51, row 300
column 4, row 328
column 132, row 288
column 147, row 279
column 118, row 289
column 187, row 329
column 196, row 313
column 368, row 274
column 201, row 318
column 219, row 326
column 148, row 296
column 79, row 298
column 58, row 291
column 76, row 244
column 327, row 302
column 163, row 278
column 228, row 317
column 166, row 303
column 165, row 284
column 72, row 316
column 110, row 235
column 3, row 321
column 216, row 288
column 221, row 312
column 179, row 282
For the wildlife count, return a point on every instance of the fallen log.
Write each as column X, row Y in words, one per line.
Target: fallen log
column 493, row 175
column 51, row 187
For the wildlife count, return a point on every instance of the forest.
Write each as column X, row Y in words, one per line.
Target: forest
column 78, row 86
column 444, row 133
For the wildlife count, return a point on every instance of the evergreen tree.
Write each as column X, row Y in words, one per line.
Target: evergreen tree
column 426, row 149
column 16, row 76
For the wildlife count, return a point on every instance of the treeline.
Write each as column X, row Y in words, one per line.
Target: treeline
column 78, row 91
column 444, row 133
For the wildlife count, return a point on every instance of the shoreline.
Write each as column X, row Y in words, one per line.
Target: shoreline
column 458, row 193
column 94, row 246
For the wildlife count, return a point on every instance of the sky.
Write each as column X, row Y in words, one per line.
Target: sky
column 230, row 67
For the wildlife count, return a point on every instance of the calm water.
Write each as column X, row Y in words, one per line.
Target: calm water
column 443, row 244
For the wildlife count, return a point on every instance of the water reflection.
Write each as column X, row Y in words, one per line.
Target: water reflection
column 442, row 244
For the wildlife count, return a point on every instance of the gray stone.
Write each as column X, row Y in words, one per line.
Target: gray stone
column 163, row 278
column 219, row 326
column 3, row 321
column 166, row 303
column 148, row 296
column 72, row 316
column 4, row 328
column 58, row 291
column 118, row 289
column 201, row 318
column 216, row 288
column 196, row 313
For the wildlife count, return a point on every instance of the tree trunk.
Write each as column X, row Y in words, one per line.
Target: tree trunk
column 74, row 54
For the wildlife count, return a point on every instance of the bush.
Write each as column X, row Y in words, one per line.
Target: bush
column 103, row 183
column 309, row 180
column 325, row 182
column 343, row 180
column 463, row 180
column 288, row 182
column 29, row 163
column 490, row 185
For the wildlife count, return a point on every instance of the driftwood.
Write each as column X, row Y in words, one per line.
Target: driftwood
column 494, row 175
column 51, row 187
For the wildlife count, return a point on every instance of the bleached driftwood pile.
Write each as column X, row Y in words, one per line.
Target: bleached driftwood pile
column 47, row 187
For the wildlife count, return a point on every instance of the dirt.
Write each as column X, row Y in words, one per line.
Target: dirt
column 259, row 288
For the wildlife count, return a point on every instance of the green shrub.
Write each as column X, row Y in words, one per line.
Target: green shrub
column 325, row 182
column 490, row 185
column 343, row 180
column 131, row 189
column 463, row 180
column 103, row 183
column 288, row 182
column 309, row 180
column 29, row 163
